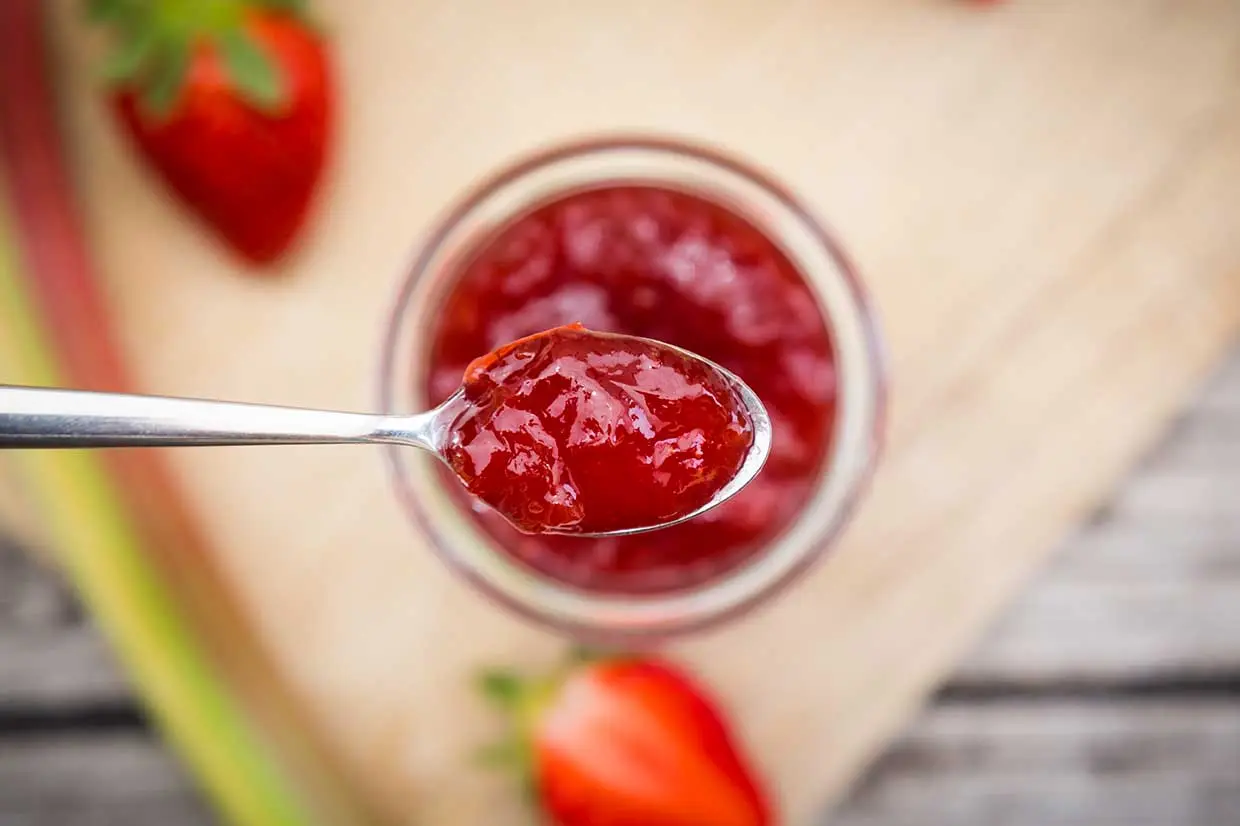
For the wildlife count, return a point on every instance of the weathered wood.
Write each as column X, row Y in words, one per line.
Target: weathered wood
column 1043, row 203
column 1097, row 632
column 1045, row 223
column 1225, row 397
column 1146, row 597
column 1151, row 587
column 1135, row 763
column 1114, row 763
column 57, row 679
column 103, row 779
column 50, row 655
column 1045, row 763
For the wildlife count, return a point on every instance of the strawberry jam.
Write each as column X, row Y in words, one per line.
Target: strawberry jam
column 674, row 267
column 570, row 431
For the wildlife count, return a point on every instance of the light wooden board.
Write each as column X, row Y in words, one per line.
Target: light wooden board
column 1086, row 731
column 16, row 513
column 1043, row 199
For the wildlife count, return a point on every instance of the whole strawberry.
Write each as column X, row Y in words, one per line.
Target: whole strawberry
column 626, row 742
column 232, row 102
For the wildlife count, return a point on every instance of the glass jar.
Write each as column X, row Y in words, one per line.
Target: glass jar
column 590, row 615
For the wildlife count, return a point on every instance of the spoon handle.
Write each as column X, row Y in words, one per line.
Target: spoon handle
column 40, row 418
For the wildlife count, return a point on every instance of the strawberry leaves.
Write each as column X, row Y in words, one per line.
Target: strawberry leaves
column 110, row 11
column 502, row 688
column 167, row 69
column 297, row 7
column 155, row 41
column 130, row 55
column 522, row 702
column 251, row 70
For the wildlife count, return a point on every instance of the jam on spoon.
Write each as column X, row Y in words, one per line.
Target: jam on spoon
column 573, row 431
column 566, row 431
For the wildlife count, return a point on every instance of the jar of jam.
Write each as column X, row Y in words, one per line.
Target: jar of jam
column 671, row 242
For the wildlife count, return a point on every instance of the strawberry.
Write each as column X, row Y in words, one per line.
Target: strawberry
column 625, row 742
column 232, row 102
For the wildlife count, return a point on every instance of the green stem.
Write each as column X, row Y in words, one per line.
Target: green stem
column 125, row 536
column 104, row 558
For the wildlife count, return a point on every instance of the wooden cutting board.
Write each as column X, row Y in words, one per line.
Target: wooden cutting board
column 1044, row 199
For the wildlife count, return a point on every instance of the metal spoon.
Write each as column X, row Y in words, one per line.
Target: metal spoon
column 41, row 418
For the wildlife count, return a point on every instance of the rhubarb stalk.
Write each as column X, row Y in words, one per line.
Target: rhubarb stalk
column 118, row 522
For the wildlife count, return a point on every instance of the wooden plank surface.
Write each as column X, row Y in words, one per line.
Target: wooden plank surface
column 1151, row 586
column 1109, row 693
column 1129, row 763
column 1043, row 200
column 1077, row 709
column 101, row 780
column 50, row 657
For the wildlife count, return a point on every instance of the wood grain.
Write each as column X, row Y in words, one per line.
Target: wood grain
column 1150, row 588
column 1032, row 729
column 1137, row 763
column 50, row 656
column 109, row 779
column 1110, row 691
column 1043, row 200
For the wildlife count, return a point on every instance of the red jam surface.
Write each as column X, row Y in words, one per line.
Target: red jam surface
column 572, row 431
column 673, row 267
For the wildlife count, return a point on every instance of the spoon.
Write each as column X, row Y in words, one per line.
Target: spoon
column 44, row 418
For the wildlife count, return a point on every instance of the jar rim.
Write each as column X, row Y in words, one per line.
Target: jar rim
column 556, row 172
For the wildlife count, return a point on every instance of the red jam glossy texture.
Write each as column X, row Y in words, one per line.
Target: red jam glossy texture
column 673, row 267
column 573, row 431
